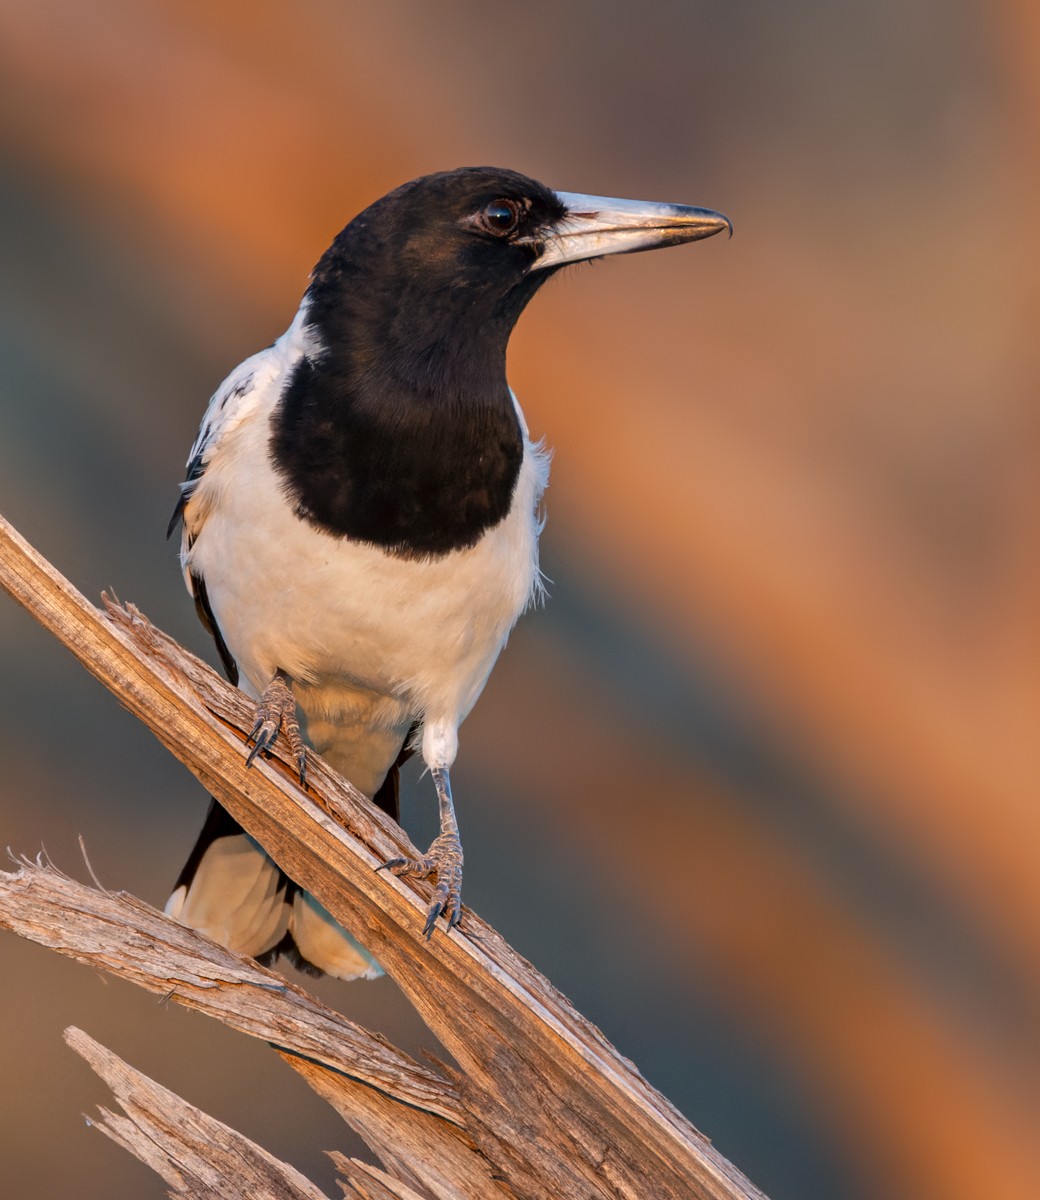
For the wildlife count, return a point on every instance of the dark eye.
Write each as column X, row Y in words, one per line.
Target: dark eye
column 500, row 217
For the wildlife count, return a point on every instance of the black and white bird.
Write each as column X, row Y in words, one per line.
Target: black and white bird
column 361, row 515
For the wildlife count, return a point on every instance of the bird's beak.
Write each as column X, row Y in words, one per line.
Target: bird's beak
column 596, row 225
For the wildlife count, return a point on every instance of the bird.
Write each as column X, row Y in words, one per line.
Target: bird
column 360, row 518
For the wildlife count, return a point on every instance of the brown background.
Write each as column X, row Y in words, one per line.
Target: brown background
column 758, row 788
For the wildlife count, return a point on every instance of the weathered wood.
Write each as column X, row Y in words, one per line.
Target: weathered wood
column 408, row 1115
column 360, row 1181
column 199, row 1157
column 421, row 1151
column 549, row 1102
column 120, row 934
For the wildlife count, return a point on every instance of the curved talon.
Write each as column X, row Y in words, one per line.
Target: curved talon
column 392, row 863
column 276, row 712
column 445, row 903
column 432, row 913
column 262, row 735
column 444, row 860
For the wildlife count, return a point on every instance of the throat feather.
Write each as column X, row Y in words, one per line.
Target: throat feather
column 416, row 472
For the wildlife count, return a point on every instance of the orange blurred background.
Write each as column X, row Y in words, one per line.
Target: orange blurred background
column 758, row 788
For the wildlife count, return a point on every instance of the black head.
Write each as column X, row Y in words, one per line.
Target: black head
column 437, row 269
column 401, row 430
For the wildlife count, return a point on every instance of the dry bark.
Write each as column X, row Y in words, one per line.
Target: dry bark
column 549, row 1108
column 196, row 1155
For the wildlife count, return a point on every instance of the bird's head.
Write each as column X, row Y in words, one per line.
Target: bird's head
column 444, row 265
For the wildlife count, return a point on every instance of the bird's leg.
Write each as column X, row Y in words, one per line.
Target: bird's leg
column 276, row 711
column 443, row 859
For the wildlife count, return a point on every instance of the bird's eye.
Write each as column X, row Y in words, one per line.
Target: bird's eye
column 500, row 217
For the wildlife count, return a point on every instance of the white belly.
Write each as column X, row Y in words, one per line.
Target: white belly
column 371, row 641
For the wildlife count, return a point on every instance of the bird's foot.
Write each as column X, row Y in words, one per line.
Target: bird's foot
column 443, row 859
column 276, row 712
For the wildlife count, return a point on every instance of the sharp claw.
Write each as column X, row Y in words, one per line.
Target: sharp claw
column 446, row 900
column 262, row 736
column 432, row 913
column 276, row 713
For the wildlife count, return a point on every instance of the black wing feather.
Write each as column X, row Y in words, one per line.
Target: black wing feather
column 202, row 607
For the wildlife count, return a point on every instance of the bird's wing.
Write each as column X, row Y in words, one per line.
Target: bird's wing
column 231, row 404
column 247, row 389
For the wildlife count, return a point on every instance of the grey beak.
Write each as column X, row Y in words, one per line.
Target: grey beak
column 597, row 225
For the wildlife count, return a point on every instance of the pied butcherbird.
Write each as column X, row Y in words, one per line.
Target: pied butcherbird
column 361, row 516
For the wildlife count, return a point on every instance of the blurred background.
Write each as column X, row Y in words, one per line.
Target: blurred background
column 758, row 788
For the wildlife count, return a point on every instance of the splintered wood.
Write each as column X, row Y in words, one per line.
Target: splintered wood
column 539, row 1106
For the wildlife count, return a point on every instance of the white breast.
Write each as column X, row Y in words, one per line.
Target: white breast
column 372, row 640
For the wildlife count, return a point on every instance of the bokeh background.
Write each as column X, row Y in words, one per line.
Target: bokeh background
column 758, row 788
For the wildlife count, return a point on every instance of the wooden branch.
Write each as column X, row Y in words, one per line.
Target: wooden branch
column 196, row 1155
column 120, row 934
column 423, row 1153
column 408, row 1115
column 547, row 1100
column 361, row 1181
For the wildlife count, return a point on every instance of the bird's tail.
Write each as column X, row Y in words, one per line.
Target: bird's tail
column 233, row 892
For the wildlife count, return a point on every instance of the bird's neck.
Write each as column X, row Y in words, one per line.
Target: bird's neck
column 400, row 433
